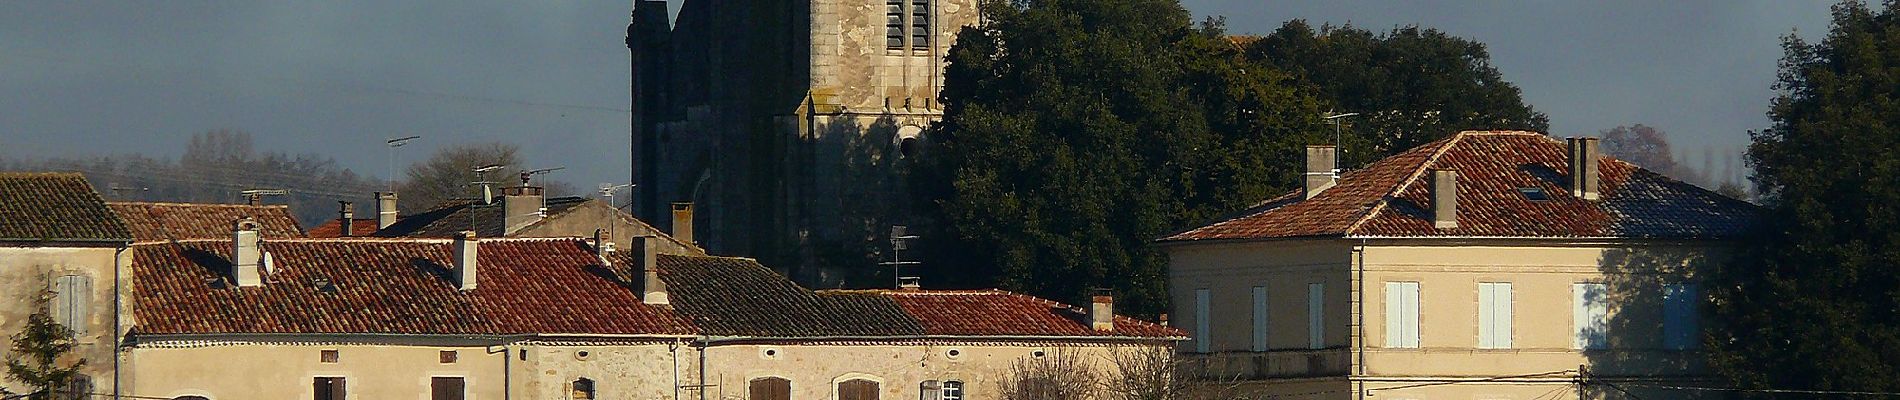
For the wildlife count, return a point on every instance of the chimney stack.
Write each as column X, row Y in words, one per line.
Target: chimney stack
column 1584, row 179
column 1444, row 192
column 1320, row 160
column 465, row 260
column 603, row 246
column 248, row 255
column 346, row 217
column 385, row 209
column 683, row 222
column 652, row 290
column 1102, row 312
column 521, row 206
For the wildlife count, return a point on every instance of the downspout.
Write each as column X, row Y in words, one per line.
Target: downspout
column 1359, row 268
column 674, row 350
column 118, row 321
column 702, row 373
column 507, row 372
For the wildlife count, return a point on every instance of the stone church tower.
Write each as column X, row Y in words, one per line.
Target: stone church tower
column 784, row 122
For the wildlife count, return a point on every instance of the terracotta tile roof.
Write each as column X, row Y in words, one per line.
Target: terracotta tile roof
column 359, row 227
column 449, row 218
column 996, row 312
column 1388, row 198
column 151, row 222
column 546, row 286
column 41, row 206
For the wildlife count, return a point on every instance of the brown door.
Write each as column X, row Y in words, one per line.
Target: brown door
column 771, row 389
column 445, row 388
column 857, row 389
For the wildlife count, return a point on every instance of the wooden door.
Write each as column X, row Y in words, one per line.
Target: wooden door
column 770, row 389
column 857, row 389
column 445, row 388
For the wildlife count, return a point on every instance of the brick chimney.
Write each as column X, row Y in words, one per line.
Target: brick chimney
column 521, row 206
column 1584, row 161
column 683, row 222
column 466, row 259
column 247, row 256
column 1320, row 160
column 1102, row 312
column 1444, row 192
column 385, row 209
column 346, row 217
column 652, row 289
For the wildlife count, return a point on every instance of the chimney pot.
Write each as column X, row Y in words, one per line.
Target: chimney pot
column 1102, row 312
column 466, row 260
column 1444, row 192
column 1584, row 162
column 385, row 209
column 652, row 290
column 346, row 217
column 247, row 254
column 1320, row 172
column 683, row 222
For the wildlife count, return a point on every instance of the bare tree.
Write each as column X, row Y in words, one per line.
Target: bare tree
column 1056, row 375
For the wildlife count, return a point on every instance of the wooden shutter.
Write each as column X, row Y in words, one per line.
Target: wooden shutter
column 1201, row 298
column 1259, row 318
column 1589, row 309
column 1401, row 314
column 1494, row 315
column 72, row 302
column 1316, row 315
column 445, row 388
column 770, row 389
column 857, row 389
column 930, row 390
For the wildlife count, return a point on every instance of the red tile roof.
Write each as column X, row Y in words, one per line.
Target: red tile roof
column 359, row 227
column 151, row 222
column 1388, row 198
column 543, row 286
column 996, row 312
column 44, row 206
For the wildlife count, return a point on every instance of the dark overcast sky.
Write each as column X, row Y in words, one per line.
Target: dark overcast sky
column 336, row 77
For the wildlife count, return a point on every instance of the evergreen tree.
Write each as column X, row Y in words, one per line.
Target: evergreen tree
column 1812, row 304
column 38, row 350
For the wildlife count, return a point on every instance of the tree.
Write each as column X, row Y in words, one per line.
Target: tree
column 1411, row 85
column 449, row 174
column 1810, row 305
column 1057, row 375
column 1642, row 145
column 1077, row 131
column 39, row 353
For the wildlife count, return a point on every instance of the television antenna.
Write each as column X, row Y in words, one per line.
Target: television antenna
column 256, row 196
column 900, row 241
column 526, row 175
column 393, row 143
column 607, row 194
column 1335, row 119
column 115, row 189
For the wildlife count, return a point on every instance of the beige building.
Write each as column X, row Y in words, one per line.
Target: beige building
column 519, row 212
column 1488, row 265
column 785, row 119
column 58, row 239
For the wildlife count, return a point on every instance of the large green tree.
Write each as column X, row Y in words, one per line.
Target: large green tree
column 1816, row 302
column 40, row 359
column 1410, row 86
column 1078, row 131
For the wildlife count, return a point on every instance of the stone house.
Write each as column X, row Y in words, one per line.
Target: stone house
column 58, row 239
column 786, row 119
column 520, row 212
column 158, row 222
column 1486, row 265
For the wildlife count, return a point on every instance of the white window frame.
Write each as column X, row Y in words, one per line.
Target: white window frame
column 1316, row 315
column 1590, row 306
column 1259, row 318
column 1680, row 324
column 1494, row 315
column 1202, row 299
column 1401, row 314
column 951, row 390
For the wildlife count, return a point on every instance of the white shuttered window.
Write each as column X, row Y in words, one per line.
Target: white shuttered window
column 72, row 302
column 1401, row 315
column 1316, row 315
column 1590, row 305
column 1679, row 316
column 1200, row 320
column 1494, row 315
column 1259, row 318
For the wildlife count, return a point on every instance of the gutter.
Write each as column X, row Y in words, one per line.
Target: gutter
column 711, row 340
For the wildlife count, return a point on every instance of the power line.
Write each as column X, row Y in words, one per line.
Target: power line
column 1784, row 391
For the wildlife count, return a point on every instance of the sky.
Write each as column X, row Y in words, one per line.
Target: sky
column 337, row 78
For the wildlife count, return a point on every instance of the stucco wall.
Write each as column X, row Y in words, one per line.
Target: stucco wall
column 816, row 369
column 1230, row 272
column 27, row 272
column 650, row 371
column 582, row 220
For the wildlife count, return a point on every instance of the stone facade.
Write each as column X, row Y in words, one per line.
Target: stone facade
column 775, row 115
column 27, row 272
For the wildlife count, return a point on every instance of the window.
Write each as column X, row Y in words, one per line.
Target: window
column 1200, row 320
column 328, row 388
column 1534, row 193
column 71, row 303
column 1401, row 315
column 1316, row 315
column 1679, row 316
column 894, row 24
column 952, row 390
column 445, row 388
column 583, row 389
column 770, row 388
column 447, row 356
column 1494, row 315
column 857, row 389
column 1259, row 318
column 327, row 356
column 920, row 24
column 1590, row 306
column 79, row 388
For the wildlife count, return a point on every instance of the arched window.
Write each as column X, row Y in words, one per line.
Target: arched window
column 191, row 398
column 770, row 388
column 584, row 389
column 858, row 389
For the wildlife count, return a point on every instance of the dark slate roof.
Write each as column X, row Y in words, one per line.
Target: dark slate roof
column 359, row 227
column 400, row 286
column 449, row 218
column 187, row 221
column 1388, row 198
column 40, row 206
column 739, row 297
